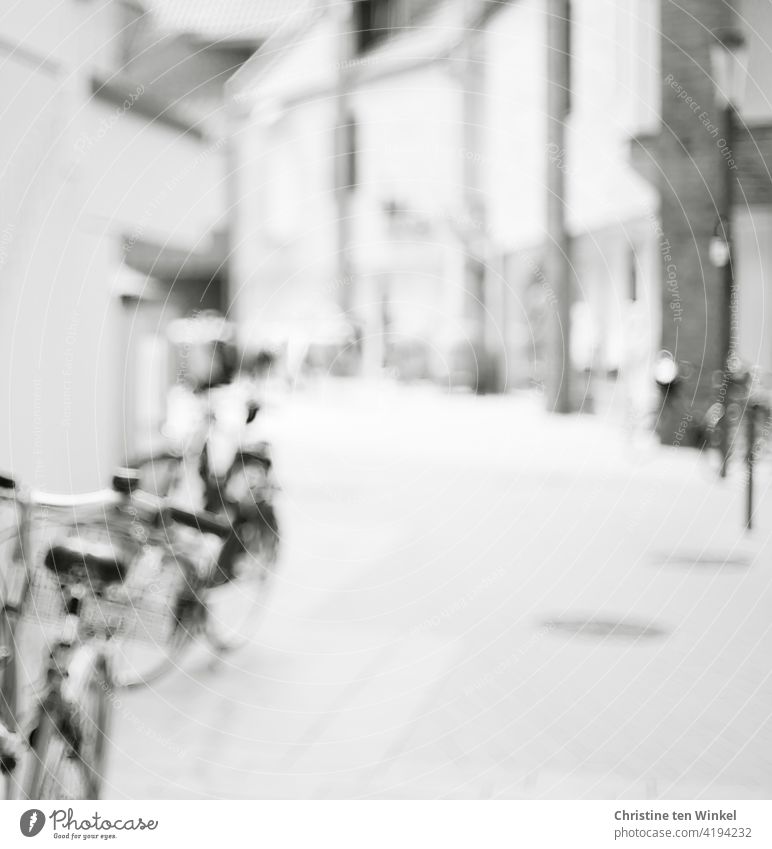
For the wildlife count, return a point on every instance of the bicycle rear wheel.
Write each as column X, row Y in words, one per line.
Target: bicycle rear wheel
column 67, row 764
column 9, row 694
column 246, row 576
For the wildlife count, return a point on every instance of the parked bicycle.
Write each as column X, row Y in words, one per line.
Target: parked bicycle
column 736, row 425
column 65, row 571
column 222, row 567
column 13, row 586
column 213, row 464
column 77, row 555
column 212, row 461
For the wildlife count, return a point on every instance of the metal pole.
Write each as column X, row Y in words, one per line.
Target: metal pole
column 558, row 249
column 343, row 174
column 727, row 282
column 475, row 239
column 750, row 459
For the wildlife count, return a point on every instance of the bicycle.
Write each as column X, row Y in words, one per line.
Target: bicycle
column 12, row 593
column 736, row 425
column 78, row 580
column 66, row 730
column 221, row 567
column 219, row 467
column 10, row 741
column 239, row 488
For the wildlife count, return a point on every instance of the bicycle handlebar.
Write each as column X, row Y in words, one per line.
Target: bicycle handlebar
column 202, row 520
column 152, row 506
column 101, row 497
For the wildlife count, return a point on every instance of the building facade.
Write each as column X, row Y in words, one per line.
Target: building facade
column 356, row 205
column 434, row 238
column 404, row 183
column 688, row 159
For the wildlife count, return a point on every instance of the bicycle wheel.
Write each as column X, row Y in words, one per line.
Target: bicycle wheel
column 9, row 694
column 150, row 651
column 68, row 747
column 245, row 576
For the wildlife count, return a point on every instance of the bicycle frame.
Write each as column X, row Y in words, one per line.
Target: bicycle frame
column 58, row 703
column 71, row 660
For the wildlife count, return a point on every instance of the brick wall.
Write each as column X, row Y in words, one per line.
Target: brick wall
column 686, row 162
column 754, row 162
column 690, row 160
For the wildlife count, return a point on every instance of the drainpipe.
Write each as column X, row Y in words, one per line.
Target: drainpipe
column 558, row 248
column 236, row 113
column 344, row 143
column 476, row 241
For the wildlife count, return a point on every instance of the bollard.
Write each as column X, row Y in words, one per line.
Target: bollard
column 749, row 460
column 723, row 435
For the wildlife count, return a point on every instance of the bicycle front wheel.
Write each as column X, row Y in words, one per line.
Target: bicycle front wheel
column 69, row 744
column 158, row 639
column 139, row 664
column 245, row 577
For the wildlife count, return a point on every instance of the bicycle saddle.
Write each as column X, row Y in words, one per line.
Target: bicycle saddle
column 77, row 557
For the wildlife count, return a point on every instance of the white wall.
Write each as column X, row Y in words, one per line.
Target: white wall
column 514, row 159
column 615, row 94
column 753, row 226
column 281, row 191
column 756, row 21
column 309, row 60
column 57, row 364
column 284, row 238
column 408, row 135
column 63, row 207
column 753, row 235
column 410, row 141
column 411, row 153
column 616, row 67
column 145, row 179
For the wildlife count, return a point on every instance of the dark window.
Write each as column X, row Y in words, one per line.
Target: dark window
column 376, row 20
column 633, row 275
column 351, row 153
column 346, row 154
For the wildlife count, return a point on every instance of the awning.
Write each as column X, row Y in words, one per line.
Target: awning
column 134, row 285
column 175, row 264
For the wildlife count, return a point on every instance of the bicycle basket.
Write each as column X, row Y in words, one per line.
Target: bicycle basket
column 139, row 608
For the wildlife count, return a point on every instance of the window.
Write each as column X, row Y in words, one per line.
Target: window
column 376, row 20
column 634, row 275
column 347, row 153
